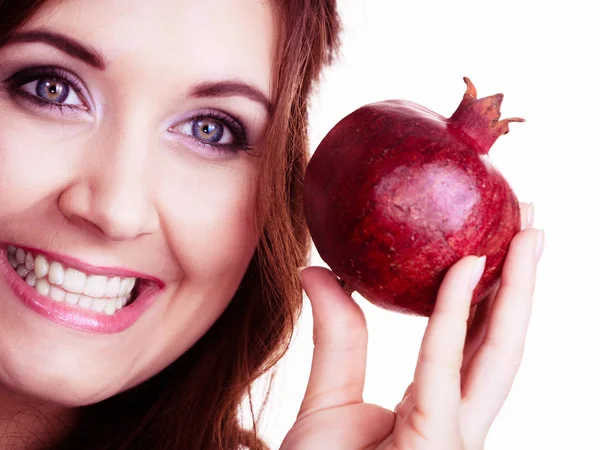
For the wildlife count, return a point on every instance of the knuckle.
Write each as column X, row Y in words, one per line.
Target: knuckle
column 418, row 421
column 450, row 365
column 500, row 350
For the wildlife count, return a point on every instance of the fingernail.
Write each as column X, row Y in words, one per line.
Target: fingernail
column 530, row 215
column 539, row 246
column 478, row 270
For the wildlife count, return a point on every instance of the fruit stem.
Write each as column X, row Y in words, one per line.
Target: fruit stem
column 477, row 120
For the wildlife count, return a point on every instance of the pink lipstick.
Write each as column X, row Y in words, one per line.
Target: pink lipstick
column 147, row 290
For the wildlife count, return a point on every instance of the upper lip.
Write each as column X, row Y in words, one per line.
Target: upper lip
column 89, row 269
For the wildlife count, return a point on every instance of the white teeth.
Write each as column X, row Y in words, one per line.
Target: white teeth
column 99, row 304
column 22, row 271
column 42, row 286
column 29, row 261
column 57, row 294
column 85, row 302
column 97, row 293
column 30, row 279
column 112, row 287
column 111, row 306
column 74, row 281
column 95, row 286
column 41, row 266
column 20, row 256
column 56, row 274
column 127, row 285
column 131, row 285
column 123, row 287
column 72, row 298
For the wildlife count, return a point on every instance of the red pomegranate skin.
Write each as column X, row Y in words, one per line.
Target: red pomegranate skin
column 395, row 194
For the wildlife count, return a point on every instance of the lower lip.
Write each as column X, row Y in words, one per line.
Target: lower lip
column 74, row 317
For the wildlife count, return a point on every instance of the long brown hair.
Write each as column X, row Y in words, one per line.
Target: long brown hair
column 195, row 402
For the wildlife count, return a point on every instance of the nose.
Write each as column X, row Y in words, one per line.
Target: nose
column 112, row 197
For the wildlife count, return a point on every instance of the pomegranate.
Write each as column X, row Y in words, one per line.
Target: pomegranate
column 395, row 194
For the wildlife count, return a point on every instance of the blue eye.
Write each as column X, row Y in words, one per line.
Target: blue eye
column 214, row 129
column 48, row 87
column 210, row 131
column 53, row 90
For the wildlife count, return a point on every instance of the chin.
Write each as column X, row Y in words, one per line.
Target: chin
column 64, row 379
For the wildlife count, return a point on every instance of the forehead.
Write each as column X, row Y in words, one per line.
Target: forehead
column 211, row 38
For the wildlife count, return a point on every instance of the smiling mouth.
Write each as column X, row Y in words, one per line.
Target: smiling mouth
column 63, row 284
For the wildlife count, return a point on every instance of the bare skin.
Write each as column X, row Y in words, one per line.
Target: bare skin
column 108, row 178
column 106, row 175
column 467, row 363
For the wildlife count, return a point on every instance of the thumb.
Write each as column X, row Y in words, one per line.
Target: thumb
column 337, row 374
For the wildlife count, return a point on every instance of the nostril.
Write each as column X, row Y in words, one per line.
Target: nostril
column 106, row 229
column 85, row 224
column 108, row 208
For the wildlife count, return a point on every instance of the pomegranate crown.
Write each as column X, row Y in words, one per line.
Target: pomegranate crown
column 478, row 119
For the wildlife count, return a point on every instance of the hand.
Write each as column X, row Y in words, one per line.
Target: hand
column 463, row 374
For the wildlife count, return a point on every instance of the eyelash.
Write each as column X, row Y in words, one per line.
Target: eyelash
column 15, row 83
column 18, row 80
column 238, row 132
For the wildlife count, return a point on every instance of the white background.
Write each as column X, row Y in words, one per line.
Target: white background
column 543, row 55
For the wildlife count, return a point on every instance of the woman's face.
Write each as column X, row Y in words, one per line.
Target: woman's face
column 129, row 136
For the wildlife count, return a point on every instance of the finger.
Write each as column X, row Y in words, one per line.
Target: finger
column 478, row 319
column 494, row 366
column 404, row 408
column 358, row 426
column 337, row 375
column 472, row 315
column 527, row 215
column 401, row 407
column 436, row 388
column 408, row 391
column 477, row 327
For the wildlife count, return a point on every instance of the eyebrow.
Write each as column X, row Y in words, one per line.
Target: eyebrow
column 95, row 59
column 88, row 55
column 231, row 88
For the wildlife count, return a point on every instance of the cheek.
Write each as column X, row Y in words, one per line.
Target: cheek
column 211, row 221
column 34, row 162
